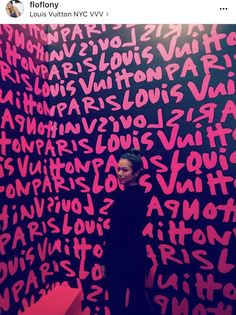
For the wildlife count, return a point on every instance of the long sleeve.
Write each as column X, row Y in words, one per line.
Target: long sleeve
column 127, row 221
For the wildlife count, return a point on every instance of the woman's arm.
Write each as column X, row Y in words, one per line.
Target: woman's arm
column 17, row 11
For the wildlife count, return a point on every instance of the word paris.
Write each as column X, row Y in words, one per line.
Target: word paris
column 42, row 4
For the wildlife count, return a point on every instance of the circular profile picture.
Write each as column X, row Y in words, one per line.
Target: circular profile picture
column 14, row 8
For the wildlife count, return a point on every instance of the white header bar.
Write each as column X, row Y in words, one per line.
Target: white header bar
column 118, row 12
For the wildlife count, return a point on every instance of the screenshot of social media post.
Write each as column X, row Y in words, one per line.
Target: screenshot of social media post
column 117, row 157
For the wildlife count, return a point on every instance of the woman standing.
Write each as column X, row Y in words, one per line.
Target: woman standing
column 125, row 253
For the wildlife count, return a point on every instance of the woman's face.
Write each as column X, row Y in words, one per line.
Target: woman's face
column 125, row 173
column 9, row 5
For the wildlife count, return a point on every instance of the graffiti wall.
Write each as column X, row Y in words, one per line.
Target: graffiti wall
column 73, row 98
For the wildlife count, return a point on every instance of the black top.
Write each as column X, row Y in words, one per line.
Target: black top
column 125, row 243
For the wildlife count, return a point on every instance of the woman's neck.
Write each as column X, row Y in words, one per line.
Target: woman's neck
column 130, row 185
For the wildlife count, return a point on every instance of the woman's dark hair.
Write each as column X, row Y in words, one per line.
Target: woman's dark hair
column 135, row 159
